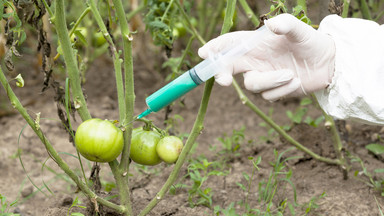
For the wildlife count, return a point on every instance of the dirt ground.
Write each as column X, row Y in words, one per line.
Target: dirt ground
column 226, row 113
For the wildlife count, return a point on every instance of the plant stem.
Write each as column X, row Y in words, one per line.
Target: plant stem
column 279, row 130
column 52, row 152
column 70, row 61
column 250, row 14
column 100, row 23
column 228, row 20
column 120, row 87
column 141, row 7
column 129, row 98
column 215, row 19
column 186, row 18
column 77, row 23
column 120, row 175
column 185, row 52
column 345, row 8
column 338, row 146
column 51, row 15
column 116, row 61
column 202, row 14
column 365, row 10
column 128, row 74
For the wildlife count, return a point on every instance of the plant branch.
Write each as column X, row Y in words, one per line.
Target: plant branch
column 250, row 14
column 215, row 19
column 228, row 18
column 364, row 8
column 116, row 60
column 128, row 70
column 70, row 61
column 345, row 8
column 245, row 100
column 77, row 23
column 129, row 96
column 186, row 18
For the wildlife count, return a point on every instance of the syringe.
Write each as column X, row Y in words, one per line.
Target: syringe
column 200, row 73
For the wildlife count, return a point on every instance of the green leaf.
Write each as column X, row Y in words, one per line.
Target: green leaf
column 305, row 101
column 376, row 149
column 241, row 186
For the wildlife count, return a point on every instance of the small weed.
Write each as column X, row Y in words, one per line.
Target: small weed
column 376, row 184
column 5, row 206
column 75, row 204
column 312, row 204
column 199, row 171
column 297, row 117
column 249, row 180
column 268, row 202
column 231, row 143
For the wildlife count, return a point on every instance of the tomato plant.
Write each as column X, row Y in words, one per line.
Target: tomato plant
column 99, row 140
column 143, row 147
column 169, row 148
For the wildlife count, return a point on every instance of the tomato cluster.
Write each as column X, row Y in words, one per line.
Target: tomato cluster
column 148, row 147
column 101, row 141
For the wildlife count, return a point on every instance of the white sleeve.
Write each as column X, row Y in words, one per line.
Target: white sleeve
column 357, row 88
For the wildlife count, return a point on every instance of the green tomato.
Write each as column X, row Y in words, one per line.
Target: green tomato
column 179, row 30
column 143, row 147
column 169, row 148
column 99, row 140
column 98, row 39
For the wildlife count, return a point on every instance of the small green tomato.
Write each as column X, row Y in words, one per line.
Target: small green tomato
column 143, row 147
column 169, row 148
column 99, row 140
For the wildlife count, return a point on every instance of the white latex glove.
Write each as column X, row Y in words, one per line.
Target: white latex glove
column 293, row 60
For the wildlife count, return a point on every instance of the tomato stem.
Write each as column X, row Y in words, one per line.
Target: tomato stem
column 70, row 60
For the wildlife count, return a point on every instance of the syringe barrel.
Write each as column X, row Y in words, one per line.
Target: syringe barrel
column 172, row 91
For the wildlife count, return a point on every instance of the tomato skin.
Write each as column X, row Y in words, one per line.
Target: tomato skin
column 143, row 147
column 179, row 30
column 169, row 148
column 98, row 40
column 99, row 140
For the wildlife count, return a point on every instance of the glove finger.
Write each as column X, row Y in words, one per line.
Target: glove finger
column 224, row 77
column 281, row 91
column 288, row 25
column 221, row 43
column 256, row 81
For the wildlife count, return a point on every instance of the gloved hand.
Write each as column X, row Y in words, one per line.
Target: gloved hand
column 294, row 59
